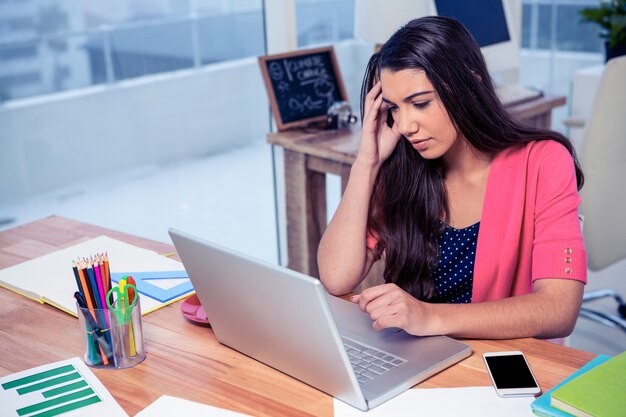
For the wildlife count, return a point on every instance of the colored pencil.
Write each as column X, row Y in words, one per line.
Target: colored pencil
column 77, row 278
column 92, row 298
column 106, row 281
column 84, row 281
column 107, row 272
column 99, row 283
column 89, row 299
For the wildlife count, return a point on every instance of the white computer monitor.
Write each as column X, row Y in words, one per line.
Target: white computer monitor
column 491, row 24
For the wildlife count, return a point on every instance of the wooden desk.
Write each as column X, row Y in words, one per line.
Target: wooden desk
column 185, row 360
column 310, row 155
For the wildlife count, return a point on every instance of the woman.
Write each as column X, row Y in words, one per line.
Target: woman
column 474, row 214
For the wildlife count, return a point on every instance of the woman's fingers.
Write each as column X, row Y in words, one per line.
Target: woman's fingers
column 371, row 98
column 372, row 117
column 375, row 296
column 373, row 93
column 390, row 306
column 377, row 139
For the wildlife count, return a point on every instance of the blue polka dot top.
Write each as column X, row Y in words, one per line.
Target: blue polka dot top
column 455, row 272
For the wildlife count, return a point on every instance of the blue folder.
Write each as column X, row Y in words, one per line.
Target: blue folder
column 144, row 286
column 541, row 406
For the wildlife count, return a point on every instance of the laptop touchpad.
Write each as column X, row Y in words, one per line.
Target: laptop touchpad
column 349, row 316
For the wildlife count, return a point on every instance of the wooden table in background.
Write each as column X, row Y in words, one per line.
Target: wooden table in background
column 311, row 154
column 185, row 360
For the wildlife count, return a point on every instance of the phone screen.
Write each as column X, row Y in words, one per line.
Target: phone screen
column 510, row 371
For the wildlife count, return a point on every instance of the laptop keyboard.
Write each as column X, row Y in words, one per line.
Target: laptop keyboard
column 369, row 362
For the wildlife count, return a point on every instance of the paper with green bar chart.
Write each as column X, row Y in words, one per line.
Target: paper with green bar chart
column 66, row 388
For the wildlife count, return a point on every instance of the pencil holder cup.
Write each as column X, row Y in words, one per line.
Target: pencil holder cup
column 112, row 338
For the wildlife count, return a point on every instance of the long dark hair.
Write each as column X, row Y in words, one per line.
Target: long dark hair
column 409, row 197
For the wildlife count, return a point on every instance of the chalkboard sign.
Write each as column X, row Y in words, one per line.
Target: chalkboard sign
column 302, row 85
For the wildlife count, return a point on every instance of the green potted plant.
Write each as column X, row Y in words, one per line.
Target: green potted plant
column 610, row 15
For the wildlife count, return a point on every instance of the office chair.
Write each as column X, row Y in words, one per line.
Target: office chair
column 603, row 207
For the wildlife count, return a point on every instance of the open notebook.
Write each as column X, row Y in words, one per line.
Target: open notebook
column 49, row 278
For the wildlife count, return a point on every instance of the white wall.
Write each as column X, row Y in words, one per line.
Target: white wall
column 53, row 141
column 352, row 56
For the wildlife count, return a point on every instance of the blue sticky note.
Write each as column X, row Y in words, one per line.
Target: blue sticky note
column 145, row 287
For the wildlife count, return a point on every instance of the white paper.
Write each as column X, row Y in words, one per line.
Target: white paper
column 11, row 400
column 166, row 406
column 51, row 277
column 428, row 402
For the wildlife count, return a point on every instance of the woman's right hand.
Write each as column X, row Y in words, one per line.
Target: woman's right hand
column 377, row 139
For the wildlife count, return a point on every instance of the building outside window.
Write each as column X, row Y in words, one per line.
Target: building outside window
column 51, row 46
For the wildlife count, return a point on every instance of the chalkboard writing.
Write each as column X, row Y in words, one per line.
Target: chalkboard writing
column 302, row 85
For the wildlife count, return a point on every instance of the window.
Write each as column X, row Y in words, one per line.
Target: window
column 104, row 42
column 555, row 24
column 324, row 21
column 555, row 44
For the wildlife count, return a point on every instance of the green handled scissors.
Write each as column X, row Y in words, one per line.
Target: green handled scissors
column 119, row 300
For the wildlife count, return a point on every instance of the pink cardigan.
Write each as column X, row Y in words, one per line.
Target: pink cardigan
column 529, row 228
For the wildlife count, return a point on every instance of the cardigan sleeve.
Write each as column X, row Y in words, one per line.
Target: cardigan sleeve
column 558, row 248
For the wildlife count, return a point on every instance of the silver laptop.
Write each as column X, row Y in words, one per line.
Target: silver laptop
column 288, row 321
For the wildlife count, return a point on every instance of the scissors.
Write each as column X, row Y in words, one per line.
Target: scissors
column 121, row 300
